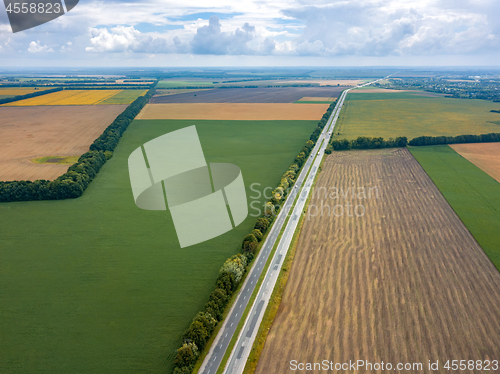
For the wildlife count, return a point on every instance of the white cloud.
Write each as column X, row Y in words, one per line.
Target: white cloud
column 37, row 47
column 282, row 28
column 211, row 40
column 128, row 39
column 391, row 28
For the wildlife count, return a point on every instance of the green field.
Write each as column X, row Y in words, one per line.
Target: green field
column 173, row 84
column 393, row 114
column 124, row 97
column 96, row 285
column 473, row 194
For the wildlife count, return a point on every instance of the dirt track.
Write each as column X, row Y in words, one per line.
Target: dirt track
column 485, row 156
column 31, row 132
column 405, row 283
column 235, row 112
column 249, row 95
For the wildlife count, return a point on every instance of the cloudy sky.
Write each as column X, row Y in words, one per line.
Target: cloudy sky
column 265, row 33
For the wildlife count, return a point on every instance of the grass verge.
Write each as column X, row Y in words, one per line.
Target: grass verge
column 275, row 302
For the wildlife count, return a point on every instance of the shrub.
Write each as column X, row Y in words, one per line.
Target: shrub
column 257, row 234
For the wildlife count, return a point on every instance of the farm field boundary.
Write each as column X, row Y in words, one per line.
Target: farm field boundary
column 34, row 132
column 471, row 192
column 13, row 99
column 75, row 181
column 68, row 97
column 485, row 156
column 238, row 111
column 123, row 97
column 249, row 95
column 354, row 279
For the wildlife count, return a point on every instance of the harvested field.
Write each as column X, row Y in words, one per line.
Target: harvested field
column 225, row 111
column 405, row 283
column 249, row 95
column 485, row 156
column 68, row 97
column 33, row 132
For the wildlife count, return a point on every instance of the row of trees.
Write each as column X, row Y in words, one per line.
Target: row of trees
column 75, row 181
column 371, row 143
column 364, row 142
column 71, row 184
column 108, row 140
column 204, row 323
column 434, row 140
column 27, row 96
column 233, row 270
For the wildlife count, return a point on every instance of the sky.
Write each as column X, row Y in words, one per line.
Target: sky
column 261, row 33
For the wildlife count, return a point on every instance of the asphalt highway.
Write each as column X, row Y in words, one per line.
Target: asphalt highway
column 241, row 350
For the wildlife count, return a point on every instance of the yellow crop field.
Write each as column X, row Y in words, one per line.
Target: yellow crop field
column 16, row 91
column 68, row 97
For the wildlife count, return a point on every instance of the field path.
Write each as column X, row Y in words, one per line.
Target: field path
column 405, row 283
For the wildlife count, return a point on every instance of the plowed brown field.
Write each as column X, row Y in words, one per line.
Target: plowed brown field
column 405, row 283
column 237, row 111
column 31, row 132
column 485, row 156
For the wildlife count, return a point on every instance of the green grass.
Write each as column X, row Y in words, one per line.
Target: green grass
column 173, row 84
column 473, row 194
column 96, row 284
column 359, row 95
column 124, row 97
column 62, row 160
column 407, row 114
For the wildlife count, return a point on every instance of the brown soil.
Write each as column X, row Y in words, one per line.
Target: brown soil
column 227, row 111
column 405, row 283
column 32, row 132
column 485, row 156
